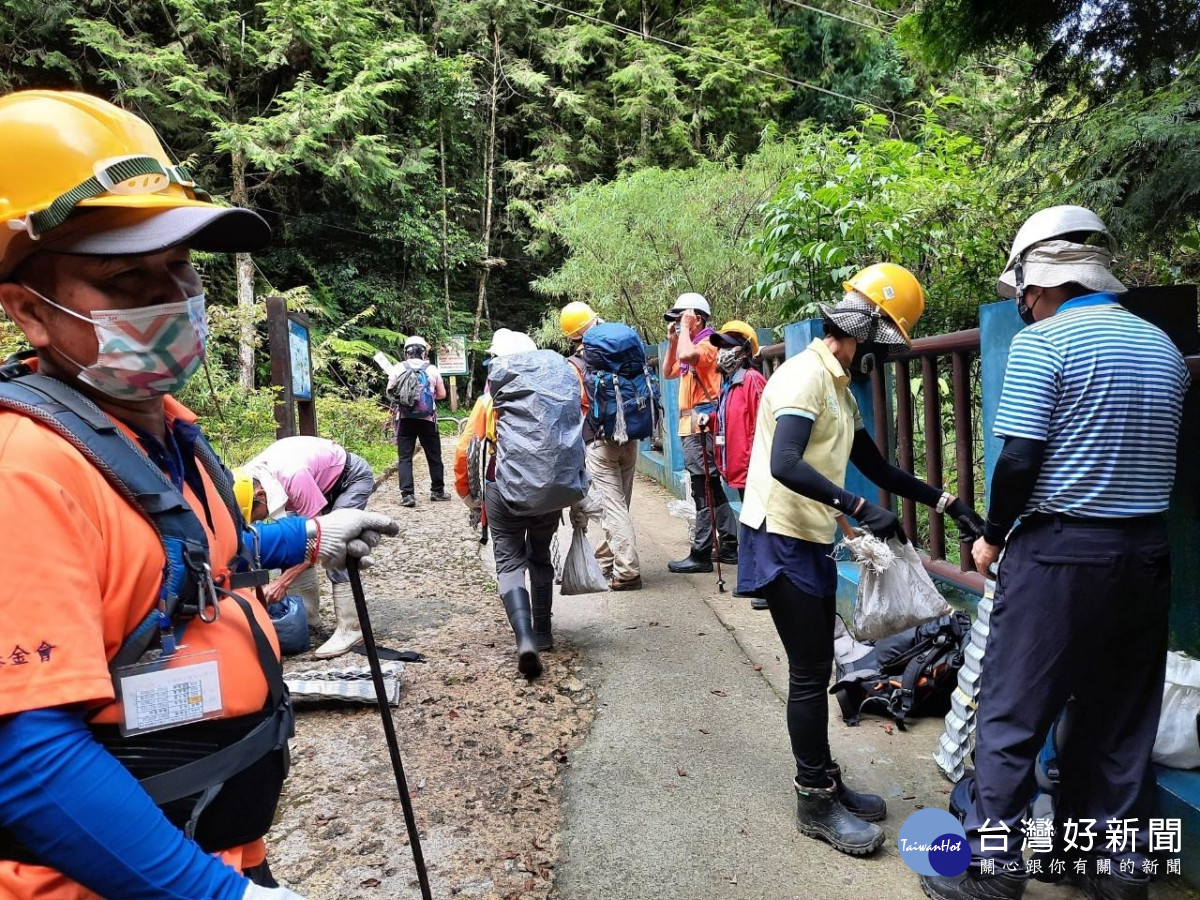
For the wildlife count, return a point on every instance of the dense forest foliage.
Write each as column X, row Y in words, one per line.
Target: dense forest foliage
column 453, row 166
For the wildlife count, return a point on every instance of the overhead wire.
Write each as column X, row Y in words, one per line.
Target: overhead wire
column 732, row 62
column 875, row 9
column 824, row 12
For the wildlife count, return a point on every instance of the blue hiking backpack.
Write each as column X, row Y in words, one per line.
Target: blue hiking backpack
column 622, row 393
column 413, row 392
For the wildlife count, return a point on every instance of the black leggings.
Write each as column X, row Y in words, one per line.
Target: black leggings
column 408, row 432
column 805, row 625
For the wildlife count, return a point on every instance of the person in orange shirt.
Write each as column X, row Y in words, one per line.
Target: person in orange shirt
column 143, row 716
column 693, row 360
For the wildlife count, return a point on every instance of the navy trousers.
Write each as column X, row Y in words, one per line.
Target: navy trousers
column 1080, row 611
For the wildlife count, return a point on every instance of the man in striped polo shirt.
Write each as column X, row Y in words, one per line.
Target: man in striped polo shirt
column 1089, row 416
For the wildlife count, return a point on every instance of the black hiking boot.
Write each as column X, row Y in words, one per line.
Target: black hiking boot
column 868, row 807
column 438, row 495
column 543, row 603
column 408, row 500
column 516, row 605
column 694, row 563
column 973, row 886
column 820, row 815
column 1114, row 887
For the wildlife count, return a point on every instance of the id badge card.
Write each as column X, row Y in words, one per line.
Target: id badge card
column 172, row 690
column 719, row 440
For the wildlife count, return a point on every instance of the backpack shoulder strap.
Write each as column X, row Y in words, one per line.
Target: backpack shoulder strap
column 131, row 473
column 904, row 700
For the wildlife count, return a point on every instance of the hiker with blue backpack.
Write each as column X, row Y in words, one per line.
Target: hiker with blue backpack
column 693, row 360
column 621, row 407
column 520, row 463
column 414, row 387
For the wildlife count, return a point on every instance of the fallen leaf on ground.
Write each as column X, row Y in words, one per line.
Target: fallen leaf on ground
column 719, row 692
column 705, row 731
column 370, row 882
column 682, row 772
column 887, row 726
column 757, row 667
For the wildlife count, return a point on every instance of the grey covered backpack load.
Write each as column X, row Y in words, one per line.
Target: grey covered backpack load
column 539, row 432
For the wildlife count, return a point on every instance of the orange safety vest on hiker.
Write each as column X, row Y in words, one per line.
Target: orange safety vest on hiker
column 82, row 567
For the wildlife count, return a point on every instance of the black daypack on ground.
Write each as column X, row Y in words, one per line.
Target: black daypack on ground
column 912, row 673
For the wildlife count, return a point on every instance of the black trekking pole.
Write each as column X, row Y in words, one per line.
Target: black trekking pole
column 389, row 727
column 712, row 512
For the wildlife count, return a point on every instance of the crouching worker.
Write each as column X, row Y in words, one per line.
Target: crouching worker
column 524, row 439
column 143, row 716
column 307, row 476
column 808, row 430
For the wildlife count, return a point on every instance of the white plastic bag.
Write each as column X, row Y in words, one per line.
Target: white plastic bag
column 1177, row 744
column 581, row 573
column 894, row 591
column 686, row 510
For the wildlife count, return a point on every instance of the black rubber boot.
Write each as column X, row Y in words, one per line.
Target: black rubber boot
column 694, row 563
column 516, row 605
column 729, row 554
column 972, row 886
column 868, row 807
column 820, row 815
column 543, row 603
column 1114, row 887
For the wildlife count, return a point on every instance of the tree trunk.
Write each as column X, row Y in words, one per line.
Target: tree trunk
column 445, row 216
column 245, row 283
column 489, row 174
column 644, row 141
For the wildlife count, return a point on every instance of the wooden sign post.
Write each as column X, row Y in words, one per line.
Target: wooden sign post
column 452, row 362
column 290, row 344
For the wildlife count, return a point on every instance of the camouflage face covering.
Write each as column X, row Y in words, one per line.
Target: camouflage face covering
column 864, row 321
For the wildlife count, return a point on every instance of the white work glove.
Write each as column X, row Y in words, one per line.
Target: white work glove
column 254, row 892
column 702, row 420
column 351, row 532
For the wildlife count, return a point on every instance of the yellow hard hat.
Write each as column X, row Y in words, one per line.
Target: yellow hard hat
column 895, row 290
column 243, row 492
column 65, row 150
column 576, row 317
column 736, row 327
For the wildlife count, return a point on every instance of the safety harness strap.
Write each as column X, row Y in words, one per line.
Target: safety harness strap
column 82, row 424
column 270, row 734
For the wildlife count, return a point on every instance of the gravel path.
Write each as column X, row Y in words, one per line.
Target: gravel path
column 483, row 749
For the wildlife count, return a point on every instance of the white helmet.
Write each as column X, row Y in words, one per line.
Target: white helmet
column 506, row 343
column 1063, row 260
column 416, row 341
column 690, row 300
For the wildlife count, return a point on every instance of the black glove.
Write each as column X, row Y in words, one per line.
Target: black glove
column 880, row 521
column 969, row 522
